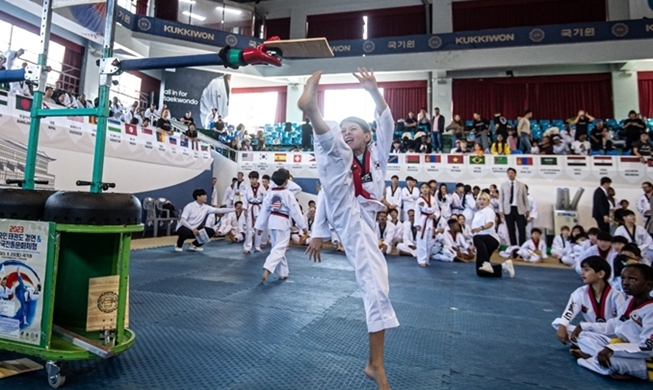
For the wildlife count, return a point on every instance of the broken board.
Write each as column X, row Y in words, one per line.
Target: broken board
column 16, row 367
column 103, row 304
column 302, row 48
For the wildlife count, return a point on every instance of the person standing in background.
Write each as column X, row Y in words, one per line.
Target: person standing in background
column 307, row 135
column 601, row 205
column 437, row 127
column 524, row 132
column 514, row 207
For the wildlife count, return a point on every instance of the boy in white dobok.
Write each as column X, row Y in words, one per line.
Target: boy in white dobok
column 352, row 170
column 636, row 234
column 534, row 250
column 399, row 227
column 279, row 207
column 409, row 196
column 385, row 232
column 408, row 245
column 622, row 347
column 254, row 195
column 427, row 214
column 454, row 246
column 562, row 249
column 596, row 301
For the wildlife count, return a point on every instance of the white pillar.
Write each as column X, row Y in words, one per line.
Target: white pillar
column 293, row 113
column 441, row 17
column 297, row 23
column 618, row 10
column 91, row 76
column 625, row 93
column 442, row 98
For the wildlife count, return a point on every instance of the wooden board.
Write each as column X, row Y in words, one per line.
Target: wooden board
column 16, row 367
column 103, row 303
column 302, row 48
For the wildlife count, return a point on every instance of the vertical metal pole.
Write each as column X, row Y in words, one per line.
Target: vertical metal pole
column 103, row 104
column 37, row 103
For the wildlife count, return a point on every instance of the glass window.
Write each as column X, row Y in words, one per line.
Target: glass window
column 252, row 109
column 5, row 36
column 128, row 89
column 129, row 5
column 23, row 39
column 341, row 103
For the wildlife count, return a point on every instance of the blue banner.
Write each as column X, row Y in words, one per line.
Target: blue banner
column 469, row 40
column 487, row 39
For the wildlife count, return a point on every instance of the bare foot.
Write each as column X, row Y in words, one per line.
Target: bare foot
column 378, row 376
column 578, row 354
column 264, row 277
column 283, row 277
column 246, row 252
column 423, row 265
column 622, row 377
column 230, row 237
column 308, row 101
column 340, row 248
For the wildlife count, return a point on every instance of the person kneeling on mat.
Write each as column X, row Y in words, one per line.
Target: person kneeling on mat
column 193, row 221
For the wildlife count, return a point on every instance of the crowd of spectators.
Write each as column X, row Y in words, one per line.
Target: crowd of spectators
column 579, row 135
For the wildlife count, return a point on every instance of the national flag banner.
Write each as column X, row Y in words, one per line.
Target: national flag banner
column 501, row 160
column 280, row 157
column 195, row 145
column 205, row 148
column 172, row 140
column 276, row 202
column 312, row 158
column 161, row 137
column 524, row 161
column 245, row 156
column 577, row 161
column 393, row 159
column 114, row 127
column 412, row 159
column 297, row 158
column 602, row 161
column 477, row 160
column 649, row 162
column 147, row 130
column 131, row 129
column 455, row 159
column 4, row 98
column 23, row 103
column 184, row 142
column 630, row 160
column 432, row 159
column 548, row 161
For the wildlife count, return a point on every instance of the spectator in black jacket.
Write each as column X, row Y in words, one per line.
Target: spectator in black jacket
column 601, row 205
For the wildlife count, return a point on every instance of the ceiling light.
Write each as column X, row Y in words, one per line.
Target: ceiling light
column 194, row 16
column 188, row 1
column 229, row 10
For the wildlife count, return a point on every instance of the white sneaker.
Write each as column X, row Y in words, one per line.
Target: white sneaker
column 509, row 268
column 487, row 267
column 192, row 247
column 178, row 249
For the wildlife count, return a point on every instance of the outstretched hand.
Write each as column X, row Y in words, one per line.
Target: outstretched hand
column 367, row 79
column 314, row 248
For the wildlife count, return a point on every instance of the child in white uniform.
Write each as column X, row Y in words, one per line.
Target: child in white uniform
column 444, row 202
column 596, row 301
column 399, row 227
column 409, row 196
column 426, row 215
column 254, row 195
column 279, row 206
column 408, row 244
column 534, row 249
column 352, row 172
column 393, row 194
column 561, row 248
column 454, row 246
column 631, row 356
column 636, row 234
column 384, row 232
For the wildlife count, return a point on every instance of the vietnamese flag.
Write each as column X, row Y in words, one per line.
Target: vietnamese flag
column 455, row 159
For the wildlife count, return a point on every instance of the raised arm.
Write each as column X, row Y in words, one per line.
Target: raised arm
column 308, row 103
column 368, row 82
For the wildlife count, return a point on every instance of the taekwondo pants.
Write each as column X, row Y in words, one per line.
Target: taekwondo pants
column 276, row 260
column 406, row 249
column 250, row 234
column 592, row 343
column 355, row 228
column 424, row 245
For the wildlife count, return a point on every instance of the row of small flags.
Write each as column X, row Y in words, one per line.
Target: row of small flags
column 578, row 161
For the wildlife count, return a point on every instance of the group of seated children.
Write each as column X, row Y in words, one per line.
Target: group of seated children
column 615, row 336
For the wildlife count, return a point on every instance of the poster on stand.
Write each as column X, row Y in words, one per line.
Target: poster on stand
column 23, row 263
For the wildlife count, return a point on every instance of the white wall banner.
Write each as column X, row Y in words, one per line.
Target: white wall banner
column 125, row 141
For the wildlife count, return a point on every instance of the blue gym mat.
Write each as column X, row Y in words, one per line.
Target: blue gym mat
column 203, row 321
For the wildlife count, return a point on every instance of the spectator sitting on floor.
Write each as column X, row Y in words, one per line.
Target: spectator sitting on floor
column 191, row 133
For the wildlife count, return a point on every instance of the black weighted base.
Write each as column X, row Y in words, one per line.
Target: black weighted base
column 83, row 208
column 16, row 203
